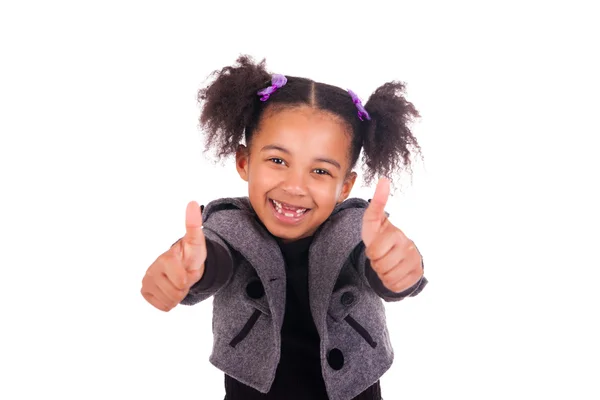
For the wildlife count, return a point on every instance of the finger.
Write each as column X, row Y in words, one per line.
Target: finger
column 409, row 264
column 156, row 303
column 193, row 225
column 374, row 215
column 150, row 286
column 168, row 275
column 174, row 271
column 376, row 209
column 390, row 260
column 168, row 292
column 193, row 245
column 384, row 241
column 153, row 300
column 401, row 279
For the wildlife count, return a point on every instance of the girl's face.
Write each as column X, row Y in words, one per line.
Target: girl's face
column 297, row 170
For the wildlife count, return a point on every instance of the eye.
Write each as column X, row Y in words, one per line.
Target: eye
column 320, row 171
column 276, row 160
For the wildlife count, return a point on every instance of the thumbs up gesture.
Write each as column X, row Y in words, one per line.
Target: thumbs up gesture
column 393, row 256
column 169, row 278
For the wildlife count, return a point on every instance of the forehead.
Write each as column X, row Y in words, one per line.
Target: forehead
column 304, row 130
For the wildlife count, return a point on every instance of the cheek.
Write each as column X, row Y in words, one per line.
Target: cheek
column 327, row 193
column 261, row 179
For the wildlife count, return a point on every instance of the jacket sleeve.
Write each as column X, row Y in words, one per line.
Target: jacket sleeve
column 378, row 286
column 218, row 269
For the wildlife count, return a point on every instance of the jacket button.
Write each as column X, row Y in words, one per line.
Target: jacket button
column 347, row 298
column 255, row 289
column 335, row 358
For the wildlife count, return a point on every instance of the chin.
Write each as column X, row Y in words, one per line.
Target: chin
column 286, row 234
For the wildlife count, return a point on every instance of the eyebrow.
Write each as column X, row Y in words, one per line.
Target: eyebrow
column 286, row 151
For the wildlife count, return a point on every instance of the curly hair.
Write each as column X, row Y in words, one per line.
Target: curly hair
column 231, row 111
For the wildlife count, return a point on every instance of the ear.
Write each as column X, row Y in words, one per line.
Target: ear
column 242, row 158
column 347, row 187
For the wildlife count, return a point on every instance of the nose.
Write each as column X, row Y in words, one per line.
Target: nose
column 294, row 183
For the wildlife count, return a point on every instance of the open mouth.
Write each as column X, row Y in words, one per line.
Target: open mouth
column 288, row 211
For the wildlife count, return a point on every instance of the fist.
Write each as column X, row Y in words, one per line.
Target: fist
column 393, row 256
column 169, row 278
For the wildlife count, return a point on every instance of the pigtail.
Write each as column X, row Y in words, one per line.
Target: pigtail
column 387, row 138
column 230, row 104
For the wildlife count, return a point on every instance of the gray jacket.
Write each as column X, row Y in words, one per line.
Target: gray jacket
column 349, row 315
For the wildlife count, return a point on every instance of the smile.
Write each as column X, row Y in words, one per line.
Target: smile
column 288, row 213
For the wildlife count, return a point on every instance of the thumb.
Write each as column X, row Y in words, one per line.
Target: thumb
column 374, row 215
column 193, row 225
column 194, row 244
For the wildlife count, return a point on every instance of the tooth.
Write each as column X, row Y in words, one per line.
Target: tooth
column 288, row 215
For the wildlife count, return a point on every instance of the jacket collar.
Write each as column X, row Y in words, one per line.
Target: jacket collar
column 333, row 242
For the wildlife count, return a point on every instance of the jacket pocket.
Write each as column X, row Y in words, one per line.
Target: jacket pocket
column 361, row 330
column 246, row 329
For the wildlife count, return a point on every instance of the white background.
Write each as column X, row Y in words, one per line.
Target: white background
column 100, row 153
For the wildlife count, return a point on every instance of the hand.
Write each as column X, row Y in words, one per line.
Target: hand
column 169, row 278
column 393, row 256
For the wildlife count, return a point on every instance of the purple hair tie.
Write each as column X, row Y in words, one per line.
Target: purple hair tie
column 362, row 113
column 277, row 81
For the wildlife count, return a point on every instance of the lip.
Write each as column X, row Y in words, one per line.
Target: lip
column 285, row 219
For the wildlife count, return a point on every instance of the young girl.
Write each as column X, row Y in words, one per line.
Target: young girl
column 298, row 271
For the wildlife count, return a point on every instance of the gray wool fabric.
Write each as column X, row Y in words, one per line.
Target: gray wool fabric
column 334, row 277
